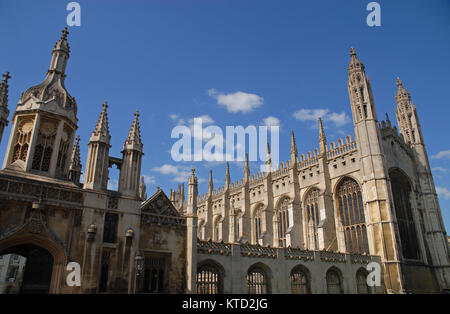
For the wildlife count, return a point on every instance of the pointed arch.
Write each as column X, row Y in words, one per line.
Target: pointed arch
column 210, row 276
column 361, row 281
column 351, row 215
column 334, row 281
column 402, row 192
column 282, row 219
column 258, row 279
column 300, row 280
column 312, row 216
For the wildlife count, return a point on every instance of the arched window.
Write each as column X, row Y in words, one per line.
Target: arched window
column 44, row 146
column 313, row 217
column 257, row 281
column 351, row 212
column 299, row 281
column 201, row 230
column 334, row 284
column 217, row 225
column 209, row 279
column 22, row 140
column 283, row 221
column 401, row 190
column 361, row 282
column 257, row 223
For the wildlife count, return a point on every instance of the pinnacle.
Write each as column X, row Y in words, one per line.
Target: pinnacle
column 102, row 128
column 64, row 33
column 134, row 136
column 75, row 162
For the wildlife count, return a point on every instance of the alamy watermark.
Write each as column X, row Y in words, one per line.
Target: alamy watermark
column 196, row 143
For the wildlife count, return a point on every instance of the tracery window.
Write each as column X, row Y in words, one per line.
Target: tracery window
column 257, row 281
column 217, row 225
column 299, row 281
column 22, row 140
column 283, row 221
column 63, row 150
column 361, row 282
column 401, row 190
column 334, row 284
column 257, row 222
column 351, row 212
column 44, row 146
column 313, row 218
column 209, row 279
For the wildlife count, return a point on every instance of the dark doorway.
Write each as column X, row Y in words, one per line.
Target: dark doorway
column 38, row 268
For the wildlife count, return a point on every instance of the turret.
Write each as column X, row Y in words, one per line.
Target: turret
column 227, row 177
column 44, row 122
column 294, row 155
column 98, row 154
column 4, row 112
column 132, row 158
column 322, row 138
column 210, row 184
column 191, row 237
column 246, row 169
column 75, row 163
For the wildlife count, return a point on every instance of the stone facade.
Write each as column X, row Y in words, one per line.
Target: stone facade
column 310, row 225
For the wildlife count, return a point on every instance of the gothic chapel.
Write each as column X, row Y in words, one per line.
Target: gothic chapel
column 311, row 226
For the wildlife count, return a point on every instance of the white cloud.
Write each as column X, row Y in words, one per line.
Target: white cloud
column 339, row 119
column 149, row 179
column 442, row 154
column 238, row 101
column 271, row 121
column 440, row 169
column 178, row 173
column 443, row 192
column 310, row 114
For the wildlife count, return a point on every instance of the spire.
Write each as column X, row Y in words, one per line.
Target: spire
column 293, row 149
column 246, row 169
column 142, row 189
column 268, row 160
column 4, row 91
column 322, row 137
column 402, row 94
column 60, row 55
column 51, row 94
column 101, row 131
column 355, row 64
column 227, row 177
column 193, row 178
column 388, row 121
column 182, row 193
column 75, row 162
column 134, row 136
column 210, row 185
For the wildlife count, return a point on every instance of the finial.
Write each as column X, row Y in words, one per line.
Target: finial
column 352, row 51
column 268, row 148
column 105, row 105
column 64, row 33
column 399, row 82
column 6, row 77
column 193, row 171
column 158, row 188
column 136, row 114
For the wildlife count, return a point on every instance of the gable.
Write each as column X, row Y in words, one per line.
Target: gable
column 158, row 209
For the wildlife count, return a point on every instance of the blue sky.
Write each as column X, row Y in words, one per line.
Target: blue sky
column 176, row 60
